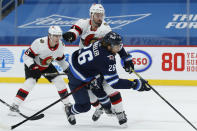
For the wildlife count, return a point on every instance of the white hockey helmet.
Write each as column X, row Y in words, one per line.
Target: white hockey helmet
column 55, row 30
column 96, row 8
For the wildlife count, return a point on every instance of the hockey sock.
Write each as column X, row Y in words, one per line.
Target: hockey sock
column 116, row 101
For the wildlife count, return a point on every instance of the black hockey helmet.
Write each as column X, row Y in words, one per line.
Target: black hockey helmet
column 112, row 39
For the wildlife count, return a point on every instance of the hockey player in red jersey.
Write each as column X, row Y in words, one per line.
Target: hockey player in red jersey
column 91, row 30
column 37, row 61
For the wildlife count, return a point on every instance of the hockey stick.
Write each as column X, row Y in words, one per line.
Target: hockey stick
column 165, row 100
column 40, row 116
column 73, row 91
column 53, row 74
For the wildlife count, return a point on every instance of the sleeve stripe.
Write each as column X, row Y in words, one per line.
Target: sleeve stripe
column 60, row 58
column 109, row 76
column 113, row 82
column 75, row 33
column 77, row 28
column 33, row 52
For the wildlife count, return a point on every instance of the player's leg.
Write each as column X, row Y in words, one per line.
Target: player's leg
column 103, row 101
column 62, row 91
column 23, row 92
column 95, row 103
column 116, row 101
column 81, row 98
column 58, row 82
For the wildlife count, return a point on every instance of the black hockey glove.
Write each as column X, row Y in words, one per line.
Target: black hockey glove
column 34, row 68
column 69, row 37
column 66, row 71
column 128, row 64
column 140, row 85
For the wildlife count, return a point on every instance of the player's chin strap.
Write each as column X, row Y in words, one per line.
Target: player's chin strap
column 164, row 100
column 73, row 91
column 40, row 116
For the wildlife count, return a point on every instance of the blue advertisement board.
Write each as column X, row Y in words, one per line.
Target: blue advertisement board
column 138, row 23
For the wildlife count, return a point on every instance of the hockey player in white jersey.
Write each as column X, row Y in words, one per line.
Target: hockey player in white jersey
column 37, row 61
column 91, row 30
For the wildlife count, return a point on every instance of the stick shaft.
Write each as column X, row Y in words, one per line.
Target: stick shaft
column 40, row 116
column 75, row 90
column 166, row 101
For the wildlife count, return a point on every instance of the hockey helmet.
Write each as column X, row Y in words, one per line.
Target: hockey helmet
column 112, row 39
column 96, row 8
column 55, row 30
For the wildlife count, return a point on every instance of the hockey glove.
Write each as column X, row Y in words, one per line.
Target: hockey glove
column 128, row 64
column 69, row 37
column 35, row 69
column 140, row 85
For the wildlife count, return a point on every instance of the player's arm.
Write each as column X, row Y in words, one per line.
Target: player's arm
column 29, row 57
column 112, row 78
column 63, row 63
column 127, row 60
column 31, row 53
column 74, row 32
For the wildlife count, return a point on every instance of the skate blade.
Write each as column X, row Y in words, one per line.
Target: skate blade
column 124, row 125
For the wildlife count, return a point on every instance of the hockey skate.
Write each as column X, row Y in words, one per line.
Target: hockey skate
column 14, row 110
column 70, row 117
column 97, row 114
column 122, row 118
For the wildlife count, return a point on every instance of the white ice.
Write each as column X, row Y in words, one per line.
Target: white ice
column 145, row 111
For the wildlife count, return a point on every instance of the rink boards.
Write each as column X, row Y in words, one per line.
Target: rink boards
column 172, row 65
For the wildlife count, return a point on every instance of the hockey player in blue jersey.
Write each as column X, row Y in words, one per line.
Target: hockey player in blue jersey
column 88, row 62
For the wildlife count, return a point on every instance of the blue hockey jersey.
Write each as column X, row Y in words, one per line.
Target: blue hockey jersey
column 94, row 59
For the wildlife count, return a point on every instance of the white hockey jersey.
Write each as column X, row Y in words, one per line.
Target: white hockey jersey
column 42, row 54
column 83, row 28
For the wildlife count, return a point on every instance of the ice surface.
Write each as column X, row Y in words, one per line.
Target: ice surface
column 145, row 110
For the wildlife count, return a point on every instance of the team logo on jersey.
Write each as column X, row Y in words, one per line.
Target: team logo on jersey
column 111, row 57
column 116, row 22
column 6, row 59
column 141, row 59
column 46, row 61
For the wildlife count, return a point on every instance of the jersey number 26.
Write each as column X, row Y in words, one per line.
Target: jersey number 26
column 83, row 57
